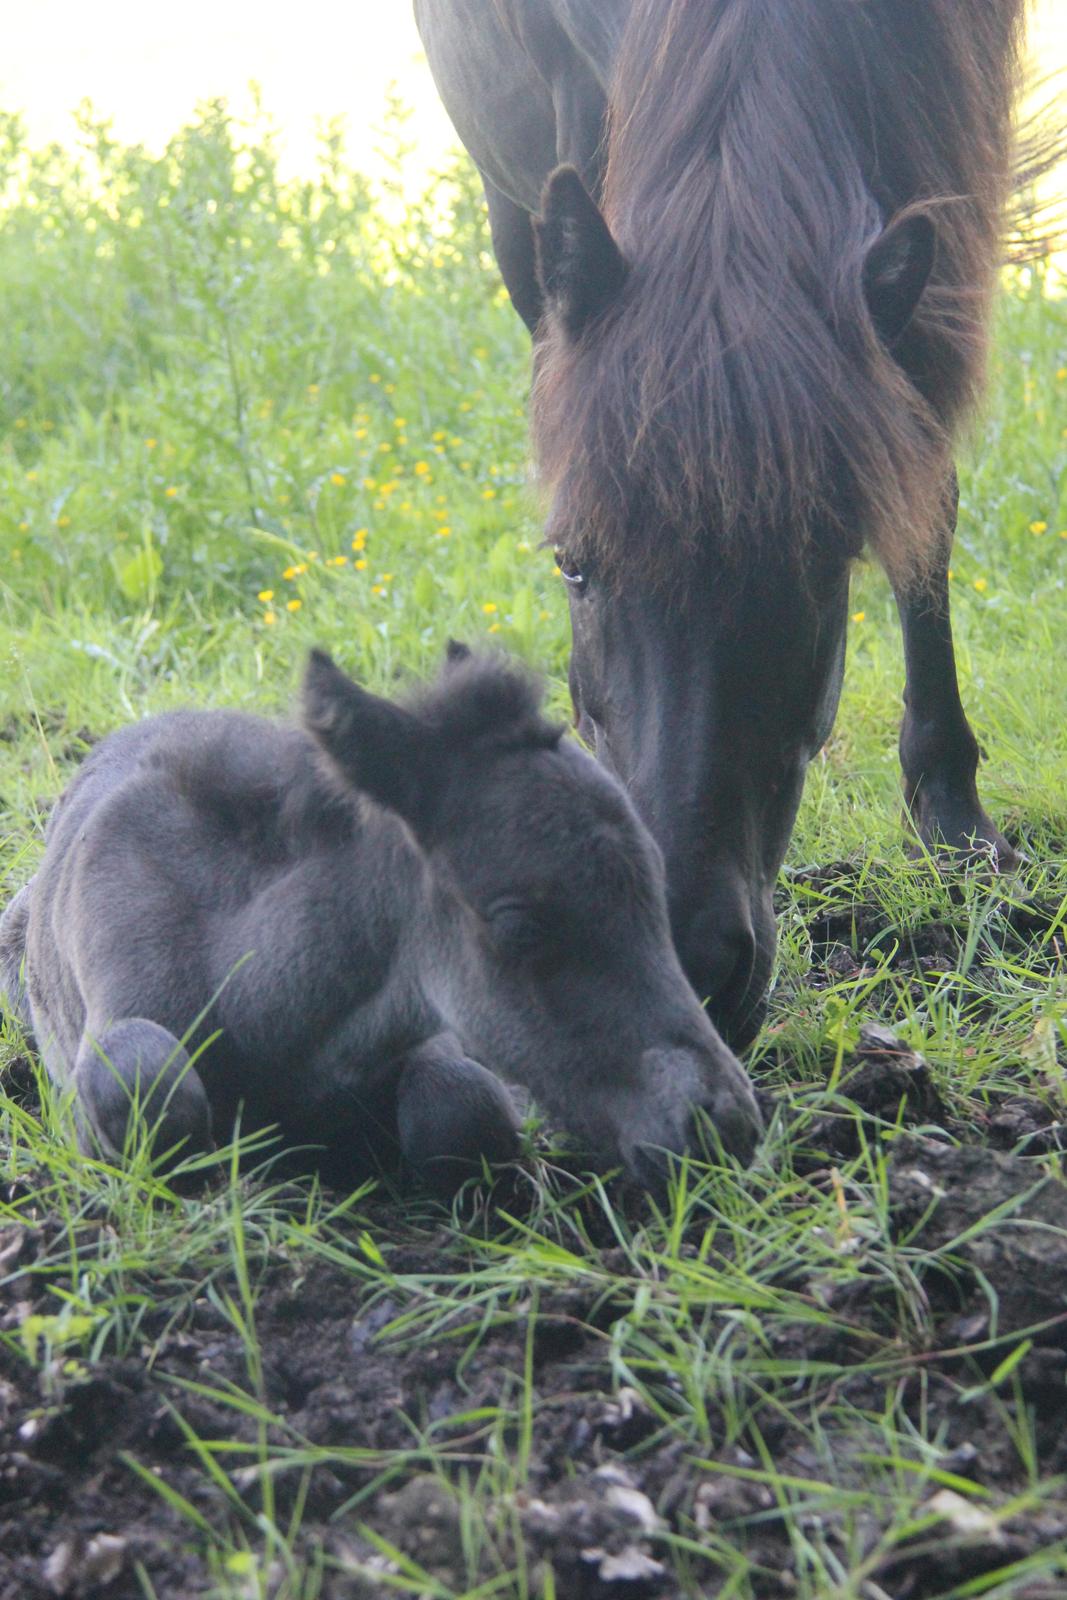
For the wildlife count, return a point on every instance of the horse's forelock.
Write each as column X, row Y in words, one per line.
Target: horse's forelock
column 737, row 391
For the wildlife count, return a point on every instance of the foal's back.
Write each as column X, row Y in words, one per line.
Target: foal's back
column 179, row 852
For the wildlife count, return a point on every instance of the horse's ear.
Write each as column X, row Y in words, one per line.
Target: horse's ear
column 896, row 270
column 455, row 652
column 580, row 267
column 373, row 746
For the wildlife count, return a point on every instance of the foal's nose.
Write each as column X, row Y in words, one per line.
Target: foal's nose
column 692, row 1087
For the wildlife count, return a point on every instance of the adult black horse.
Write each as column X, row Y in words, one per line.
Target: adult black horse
column 756, row 244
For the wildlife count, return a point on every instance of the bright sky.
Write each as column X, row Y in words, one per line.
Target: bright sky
column 145, row 66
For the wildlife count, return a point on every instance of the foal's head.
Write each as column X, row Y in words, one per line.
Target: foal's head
column 558, row 958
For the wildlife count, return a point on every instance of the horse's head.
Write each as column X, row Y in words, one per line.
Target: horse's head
column 704, row 516
column 555, row 963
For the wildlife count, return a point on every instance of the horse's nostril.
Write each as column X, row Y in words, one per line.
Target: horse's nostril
column 719, row 958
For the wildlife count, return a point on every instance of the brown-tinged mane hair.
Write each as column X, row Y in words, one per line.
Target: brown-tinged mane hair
column 736, row 397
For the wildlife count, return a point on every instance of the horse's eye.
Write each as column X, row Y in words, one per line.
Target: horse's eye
column 570, row 570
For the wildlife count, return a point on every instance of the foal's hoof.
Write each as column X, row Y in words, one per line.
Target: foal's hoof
column 138, row 1069
column 452, row 1117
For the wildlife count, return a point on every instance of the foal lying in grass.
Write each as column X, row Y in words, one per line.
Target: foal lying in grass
column 342, row 921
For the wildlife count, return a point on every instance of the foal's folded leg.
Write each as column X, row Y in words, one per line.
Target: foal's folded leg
column 13, row 926
column 135, row 1065
column 452, row 1114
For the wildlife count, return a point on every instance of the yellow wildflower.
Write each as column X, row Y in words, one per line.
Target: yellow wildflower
column 443, row 533
column 269, row 618
column 293, row 605
column 1061, row 373
column 170, row 491
column 376, row 588
column 295, row 571
column 63, row 521
column 489, row 607
column 385, row 577
column 266, row 595
column 1039, row 527
column 361, row 564
column 422, row 469
column 361, row 433
column 981, row 584
column 400, row 422
column 494, row 627
column 859, row 616
column 313, row 388
column 359, row 539
column 337, row 561
column 439, row 435
column 488, row 494
column 31, row 477
column 385, row 447
column 370, row 483
column 375, row 377
column 338, row 478
column 150, row 444
column 24, row 527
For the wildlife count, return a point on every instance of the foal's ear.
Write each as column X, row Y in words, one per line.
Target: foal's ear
column 580, row 267
column 455, row 652
column 375, row 746
column 896, row 271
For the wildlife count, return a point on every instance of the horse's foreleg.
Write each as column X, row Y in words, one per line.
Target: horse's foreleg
column 452, row 1114
column 938, row 751
column 511, row 228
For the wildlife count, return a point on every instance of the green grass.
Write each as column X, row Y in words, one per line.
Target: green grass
column 238, row 417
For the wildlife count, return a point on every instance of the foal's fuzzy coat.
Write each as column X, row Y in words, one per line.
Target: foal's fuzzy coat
column 339, row 923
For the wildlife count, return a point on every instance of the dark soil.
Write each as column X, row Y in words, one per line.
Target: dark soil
column 606, row 1479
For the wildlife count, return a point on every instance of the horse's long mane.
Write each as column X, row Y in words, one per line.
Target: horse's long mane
column 737, row 391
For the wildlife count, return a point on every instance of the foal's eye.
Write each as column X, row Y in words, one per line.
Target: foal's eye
column 520, row 933
column 570, row 570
